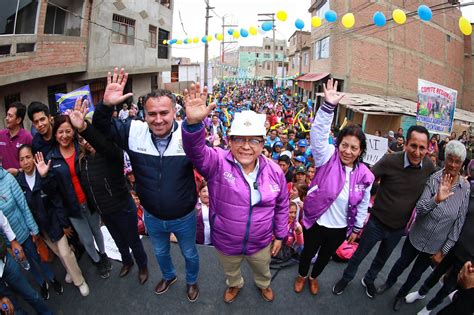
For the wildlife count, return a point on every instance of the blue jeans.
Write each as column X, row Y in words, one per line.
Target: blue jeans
column 185, row 231
column 40, row 270
column 19, row 284
column 374, row 232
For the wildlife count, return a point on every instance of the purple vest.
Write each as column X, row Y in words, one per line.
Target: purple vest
column 326, row 185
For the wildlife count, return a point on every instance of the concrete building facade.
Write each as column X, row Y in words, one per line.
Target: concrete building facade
column 389, row 60
column 61, row 50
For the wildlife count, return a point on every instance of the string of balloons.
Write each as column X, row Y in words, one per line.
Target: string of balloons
column 348, row 21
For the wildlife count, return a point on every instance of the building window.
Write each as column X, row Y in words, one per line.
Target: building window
column 18, row 17
column 53, row 89
column 60, row 22
column 322, row 9
column 5, row 50
column 256, row 55
column 25, row 47
column 266, row 55
column 321, row 48
column 268, row 47
column 9, row 99
column 152, row 36
column 166, row 3
column 280, row 64
column 154, row 82
column 268, row 65
column 306, row 59
column 162, row 49
column 123, row 30
column 281, row 47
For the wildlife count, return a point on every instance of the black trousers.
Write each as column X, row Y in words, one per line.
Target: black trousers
column 450, row 265
column 408, row 255
column 123, row 226
column 327, row 240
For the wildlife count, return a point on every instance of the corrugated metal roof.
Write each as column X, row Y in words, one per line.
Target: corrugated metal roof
column 385, row 105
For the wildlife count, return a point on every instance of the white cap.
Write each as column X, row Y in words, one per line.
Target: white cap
column 248, row 123
column 287, row 153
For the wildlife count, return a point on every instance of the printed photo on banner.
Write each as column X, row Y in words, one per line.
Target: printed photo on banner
column 436, row 106
column 376, row 149
column 66, row 101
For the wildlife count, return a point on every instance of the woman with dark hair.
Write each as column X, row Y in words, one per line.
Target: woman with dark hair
column 65, row 169
column 203, row 226
column 47, row 208
column 338, row 197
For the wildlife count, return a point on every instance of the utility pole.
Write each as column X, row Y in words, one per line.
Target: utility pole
column 271, row 18
column 206, row 44
column 223, row 43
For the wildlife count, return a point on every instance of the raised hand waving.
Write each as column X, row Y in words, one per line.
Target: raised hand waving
column 113, row 94
column 195, row 104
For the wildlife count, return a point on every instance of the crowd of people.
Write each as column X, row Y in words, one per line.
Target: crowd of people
column 255, row 173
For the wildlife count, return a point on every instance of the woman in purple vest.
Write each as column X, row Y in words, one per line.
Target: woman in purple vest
column 338, row 196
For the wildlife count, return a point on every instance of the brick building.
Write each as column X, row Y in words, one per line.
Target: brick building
column 388, row 61
column 50, row 47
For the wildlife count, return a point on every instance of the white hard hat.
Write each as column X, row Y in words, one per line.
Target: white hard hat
column 248, row 123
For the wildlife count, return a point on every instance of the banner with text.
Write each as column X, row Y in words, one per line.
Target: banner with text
column 376, row 148
column 435, row 107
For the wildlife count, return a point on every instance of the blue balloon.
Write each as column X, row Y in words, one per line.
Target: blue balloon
column 244, row 32
column 330, row 16
column 379, row 19
column 204, row 39
column 299, row 24
column 230, row 31
column 186, row 41
column 173, row 41
column 424, row 12
column 267, row 26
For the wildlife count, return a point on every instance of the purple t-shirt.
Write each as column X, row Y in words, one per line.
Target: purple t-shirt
column 9, row 147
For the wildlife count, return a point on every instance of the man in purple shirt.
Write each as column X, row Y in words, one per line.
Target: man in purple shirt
column 13, row 137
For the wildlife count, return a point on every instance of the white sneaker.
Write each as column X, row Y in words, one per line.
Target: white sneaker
column 414, row 296
column 451, row 295
column 84, row 289
column 68, row 278
column 424, row 311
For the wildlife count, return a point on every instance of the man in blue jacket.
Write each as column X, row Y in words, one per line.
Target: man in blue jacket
column 164, row 175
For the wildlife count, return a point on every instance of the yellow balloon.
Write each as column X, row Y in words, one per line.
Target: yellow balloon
column 179, row 41
column 348, row 20
column 209, row 38
column 195, row 40
column 465, row 26
column 165, row 42
column 253, row 30
column 399, row 16
column 219, row 36
column 296, row 83
column 282, row 16
column 316, row 21
column 236, row 34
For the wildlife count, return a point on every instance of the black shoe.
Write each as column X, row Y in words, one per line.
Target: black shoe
column 106, row 261
column 370, row 289
column 339, row 287
column 58, row 288
column 45, row 290
column 397, row 304
column 102, row 269
column 383, row 288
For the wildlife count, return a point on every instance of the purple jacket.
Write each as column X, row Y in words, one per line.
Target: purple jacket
column 330, row 176
column 237, row 228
